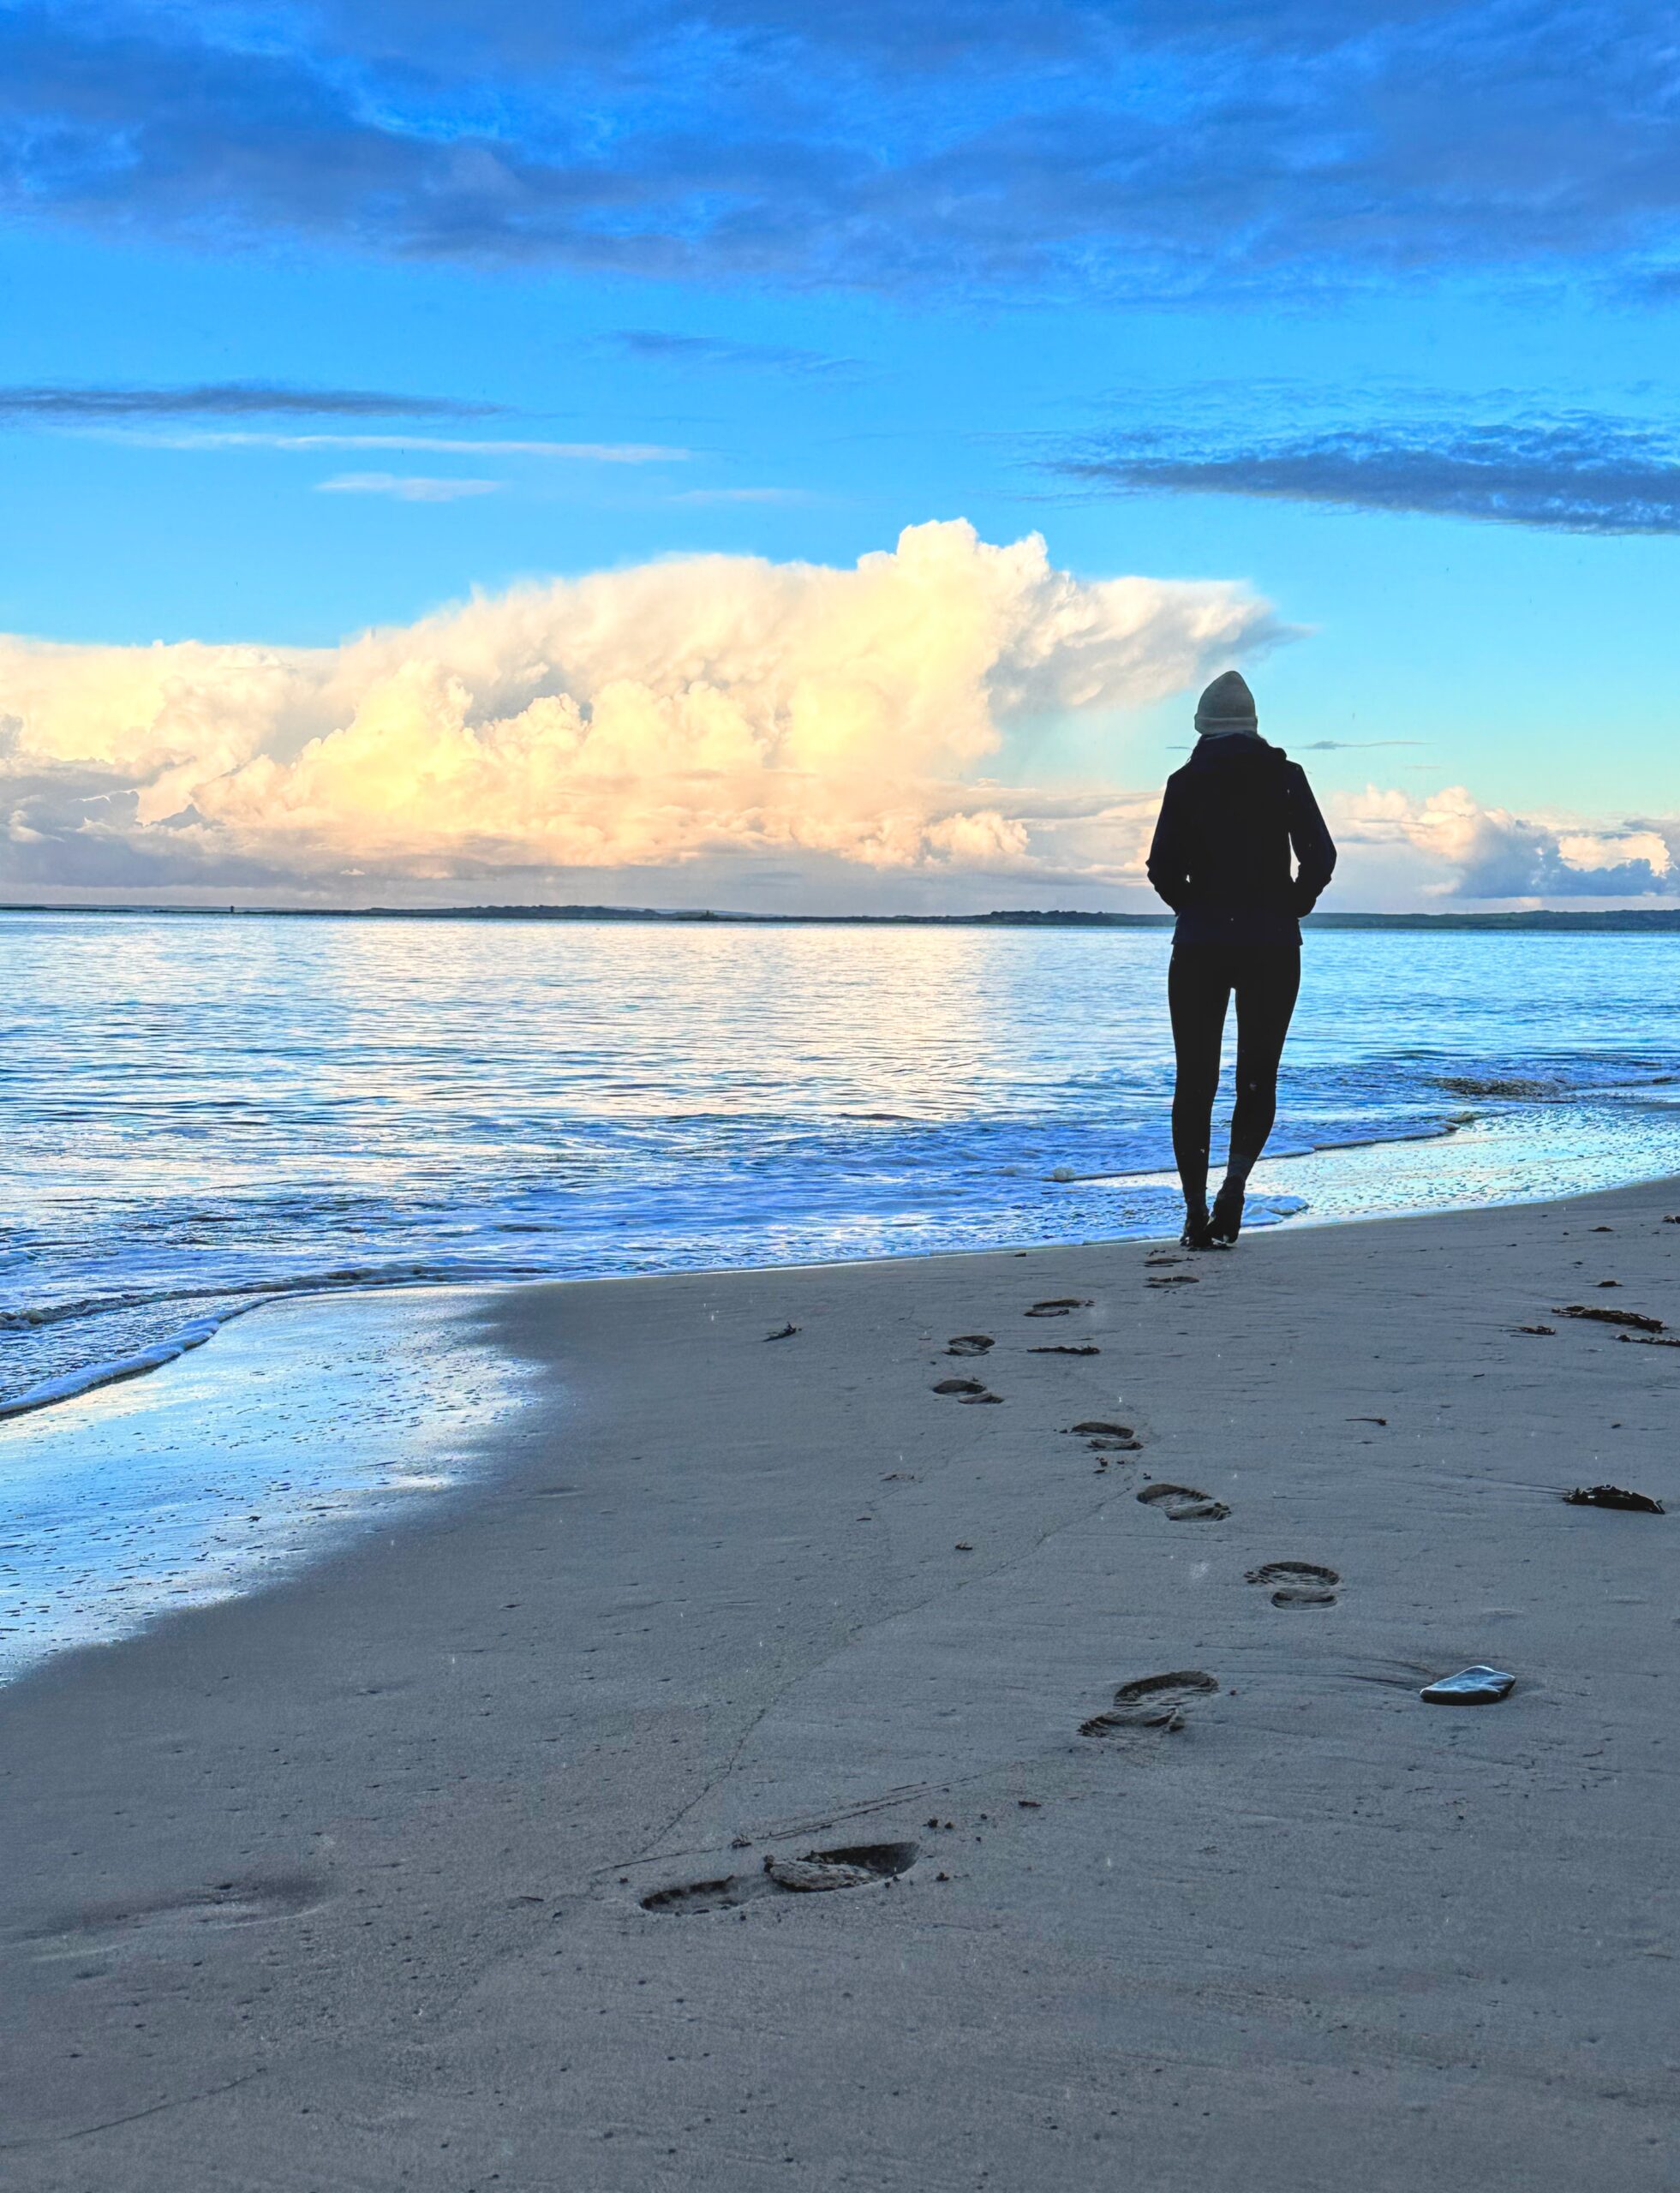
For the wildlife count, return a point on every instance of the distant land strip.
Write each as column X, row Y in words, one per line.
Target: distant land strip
column 1660, row 920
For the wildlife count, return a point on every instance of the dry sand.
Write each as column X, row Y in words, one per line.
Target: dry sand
column 344, row 1885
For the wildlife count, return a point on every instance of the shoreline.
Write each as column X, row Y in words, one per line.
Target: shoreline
column 1271, row 1201
column 247, row 1463
column 410, row 1864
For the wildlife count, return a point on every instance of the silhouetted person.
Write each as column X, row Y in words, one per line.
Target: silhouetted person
column 1230, row 819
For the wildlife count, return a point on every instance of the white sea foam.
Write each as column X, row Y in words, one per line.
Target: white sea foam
column 72, row 1383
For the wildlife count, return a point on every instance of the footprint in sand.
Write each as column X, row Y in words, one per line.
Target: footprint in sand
column 1105, row 1438
column 863, row 1865
column 1151, row 1702
column 1059, row 1306
column 966, row 1390
column 970, row 1344
column 858, row 1865
column 1299, row 1583
column 1182, row 1504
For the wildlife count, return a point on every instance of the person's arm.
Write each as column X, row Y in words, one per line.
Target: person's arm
column 1169, row 868
column 1314, row 848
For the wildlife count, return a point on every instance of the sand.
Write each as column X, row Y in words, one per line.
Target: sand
column 348, row 1884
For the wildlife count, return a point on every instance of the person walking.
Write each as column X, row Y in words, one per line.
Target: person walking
column 1229, row 820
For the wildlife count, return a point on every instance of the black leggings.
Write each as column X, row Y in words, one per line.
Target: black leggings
column 1200, row 984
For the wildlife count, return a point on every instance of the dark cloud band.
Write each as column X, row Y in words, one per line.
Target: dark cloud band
column 227, row 399
column 999, row 147
column 1578, row 475
column 660, row 346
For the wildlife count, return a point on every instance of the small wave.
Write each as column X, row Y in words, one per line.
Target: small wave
column 94, row 1375
column 1266, row 1208
column 40, row 1314
column 234, row 1300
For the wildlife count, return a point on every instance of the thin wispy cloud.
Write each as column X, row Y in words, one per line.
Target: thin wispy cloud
column 227, row 399
column 406, row 487
column 1155, row 150
column 662, row 346
column 437, row 444
column 1579, row 473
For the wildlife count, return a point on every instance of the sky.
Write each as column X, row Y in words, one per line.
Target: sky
column 777, row 457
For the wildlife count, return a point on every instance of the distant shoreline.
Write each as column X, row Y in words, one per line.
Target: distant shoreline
column 1659, row 921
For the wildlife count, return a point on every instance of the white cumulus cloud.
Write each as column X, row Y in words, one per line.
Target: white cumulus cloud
column 1473, row 851
column 665, row 713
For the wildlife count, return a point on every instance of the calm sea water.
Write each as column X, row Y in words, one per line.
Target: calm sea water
column 197, row 1115
column 201, row 1117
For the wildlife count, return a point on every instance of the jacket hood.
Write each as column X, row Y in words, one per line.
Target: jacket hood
column 1237, row 753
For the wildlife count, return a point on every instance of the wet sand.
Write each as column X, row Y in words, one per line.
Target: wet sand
column 443, row 1865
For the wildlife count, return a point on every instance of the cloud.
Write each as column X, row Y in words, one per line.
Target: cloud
column 435, row 444
column 1488, row 853
column 663, row 348
column 1580, row 473
column 226, row 399
column 673, row 713
column 407, row 488
column 961, row 145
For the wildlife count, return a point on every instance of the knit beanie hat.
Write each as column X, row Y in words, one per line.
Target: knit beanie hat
column 1226, row 705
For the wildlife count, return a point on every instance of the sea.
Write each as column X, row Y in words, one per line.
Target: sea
column 201, row 1117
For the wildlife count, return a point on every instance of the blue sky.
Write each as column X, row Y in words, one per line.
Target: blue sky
column 317, row 319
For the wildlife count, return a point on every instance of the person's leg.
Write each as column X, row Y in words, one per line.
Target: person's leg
column 1198, row 989
column 1267, row 980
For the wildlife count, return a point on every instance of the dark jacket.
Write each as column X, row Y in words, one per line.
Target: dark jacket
column 1230, row 819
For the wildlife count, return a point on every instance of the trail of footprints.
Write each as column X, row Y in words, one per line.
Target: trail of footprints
column 1149, row 1705
column 1152, row 1701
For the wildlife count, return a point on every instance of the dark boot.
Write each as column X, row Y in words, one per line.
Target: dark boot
column 1197, row 1232
column 1225, row 1221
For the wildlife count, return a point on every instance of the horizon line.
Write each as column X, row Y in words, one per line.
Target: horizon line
column 1626, row 918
